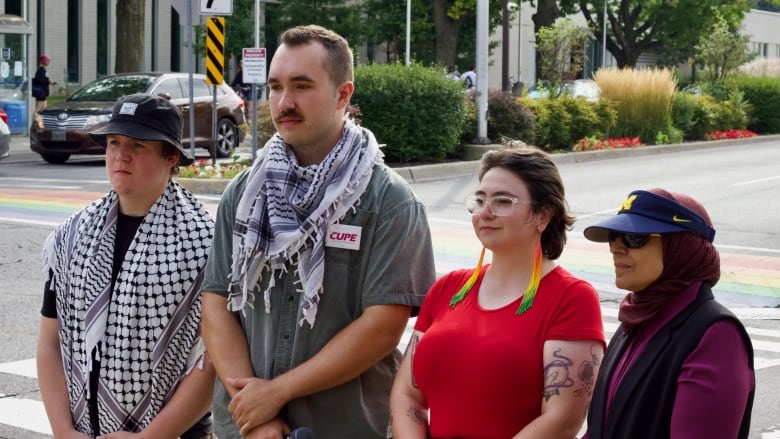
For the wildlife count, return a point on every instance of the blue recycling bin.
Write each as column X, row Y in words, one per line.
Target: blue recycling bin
column 17, row 115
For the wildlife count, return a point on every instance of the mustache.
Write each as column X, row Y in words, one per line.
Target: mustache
column 289, row 113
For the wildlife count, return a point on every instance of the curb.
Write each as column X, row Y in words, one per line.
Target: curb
column 414, row 174
column 436, row 171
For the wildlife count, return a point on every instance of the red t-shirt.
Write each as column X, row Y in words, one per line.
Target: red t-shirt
column 480, row 370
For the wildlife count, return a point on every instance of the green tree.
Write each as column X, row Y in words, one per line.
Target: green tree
column 388, row 25
column 547, row 12
column 668, row 28
column 240, row 28
column 129, row 35
column 344, row 17
column 721, row 51
column 454, row 23
column 561, row 51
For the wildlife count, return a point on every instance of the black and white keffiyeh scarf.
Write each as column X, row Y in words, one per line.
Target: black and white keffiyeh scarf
column 285, row 212
column 146, row 332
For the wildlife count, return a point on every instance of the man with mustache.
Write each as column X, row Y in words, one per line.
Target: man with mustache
column 321, row 253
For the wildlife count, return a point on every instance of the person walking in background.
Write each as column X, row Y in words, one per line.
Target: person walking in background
column 321, row 253
column 469, row 79
column 119, row 349
column 510, row 348
column 680, row 365
column 41, row 83
column 238, row 84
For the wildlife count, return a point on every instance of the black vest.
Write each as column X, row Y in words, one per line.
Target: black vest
column 642, row 406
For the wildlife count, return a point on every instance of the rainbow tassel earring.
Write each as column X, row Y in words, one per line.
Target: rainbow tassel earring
column 457, row 297
column 530, row 292
column 533, row 284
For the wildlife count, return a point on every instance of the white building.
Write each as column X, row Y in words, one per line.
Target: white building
column 80, row 36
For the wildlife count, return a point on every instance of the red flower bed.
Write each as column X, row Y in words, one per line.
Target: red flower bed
column 593, row 144
column 730, row 134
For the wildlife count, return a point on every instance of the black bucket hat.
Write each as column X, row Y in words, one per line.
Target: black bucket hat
column 145, row 117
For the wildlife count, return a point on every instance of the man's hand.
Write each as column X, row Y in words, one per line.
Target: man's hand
column 275, row 429
column 256, row 402
column 119, row 435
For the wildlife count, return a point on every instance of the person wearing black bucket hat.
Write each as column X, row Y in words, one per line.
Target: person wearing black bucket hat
column 146, row 117
column 680, row 364
column 119, row 347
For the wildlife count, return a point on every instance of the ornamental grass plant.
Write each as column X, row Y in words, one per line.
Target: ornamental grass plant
column 643, row 99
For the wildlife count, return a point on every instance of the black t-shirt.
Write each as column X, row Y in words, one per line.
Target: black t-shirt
column 126, row 228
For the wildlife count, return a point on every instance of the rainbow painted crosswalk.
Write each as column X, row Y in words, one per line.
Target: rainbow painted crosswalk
column 749, row 277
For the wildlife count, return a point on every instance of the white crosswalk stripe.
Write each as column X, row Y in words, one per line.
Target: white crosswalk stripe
column 29, row 414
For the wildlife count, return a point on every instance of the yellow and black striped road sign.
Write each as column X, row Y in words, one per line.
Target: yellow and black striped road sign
column 215, row 50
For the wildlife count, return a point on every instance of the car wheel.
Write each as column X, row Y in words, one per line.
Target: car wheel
column 55, row 157
column 227, row 137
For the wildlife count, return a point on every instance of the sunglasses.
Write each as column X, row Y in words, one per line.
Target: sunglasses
column 631, row 240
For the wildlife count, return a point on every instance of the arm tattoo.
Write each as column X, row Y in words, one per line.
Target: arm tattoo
column 587, row 374
column 410, row 350
column 556, row 375
column 417, row 416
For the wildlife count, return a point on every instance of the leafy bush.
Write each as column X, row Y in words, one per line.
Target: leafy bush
column 684, row 112
column 763, row 94
column 416, row 111
column 671, row 135
column 507, row 118
column 561, row 122
column 732, row 113
column 265, row 123
column 642, row 99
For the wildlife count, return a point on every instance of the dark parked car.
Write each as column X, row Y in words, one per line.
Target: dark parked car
column 61, row 129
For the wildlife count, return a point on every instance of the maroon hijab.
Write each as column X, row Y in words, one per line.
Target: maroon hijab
column 687, row 258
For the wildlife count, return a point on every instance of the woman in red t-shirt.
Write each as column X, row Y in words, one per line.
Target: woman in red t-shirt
column 510, row 348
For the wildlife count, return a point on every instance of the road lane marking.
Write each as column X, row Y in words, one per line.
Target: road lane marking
column 27, row 414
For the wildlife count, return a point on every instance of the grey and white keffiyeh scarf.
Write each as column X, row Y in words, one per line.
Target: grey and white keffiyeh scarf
column 285, row 212
column 146, row 332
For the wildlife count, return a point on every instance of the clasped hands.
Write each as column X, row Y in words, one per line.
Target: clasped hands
column 256, row 402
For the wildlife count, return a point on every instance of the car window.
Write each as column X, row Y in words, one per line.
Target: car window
column 201, row 88
column 170, row 87
column 112, row 88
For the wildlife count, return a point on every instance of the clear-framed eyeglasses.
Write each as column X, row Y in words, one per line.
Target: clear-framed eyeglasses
column 501, row 205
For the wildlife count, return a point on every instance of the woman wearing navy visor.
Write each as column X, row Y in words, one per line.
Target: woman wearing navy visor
column 680, row 365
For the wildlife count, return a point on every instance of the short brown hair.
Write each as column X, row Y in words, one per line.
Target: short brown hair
column 167, row 150
column 338, row 59
column 540, row 175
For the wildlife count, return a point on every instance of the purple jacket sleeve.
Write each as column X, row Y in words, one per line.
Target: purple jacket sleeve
column 713, row 386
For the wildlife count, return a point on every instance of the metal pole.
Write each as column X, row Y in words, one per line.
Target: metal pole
column 482, row 70
column 192, row 82
column 505, row 47
column 255, row 88
column 408, row 28
column 213, row 149
column 604, row 38
column 519, row 39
